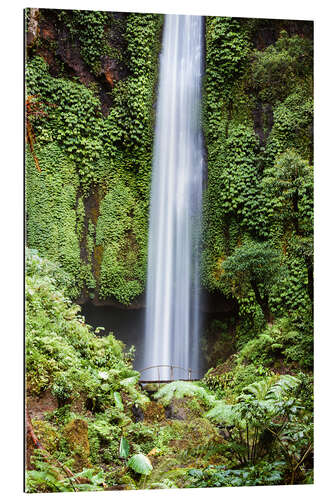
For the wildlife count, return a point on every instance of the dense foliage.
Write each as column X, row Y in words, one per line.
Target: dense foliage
column 92, row 158
column 91, row 84
column 101, row 430
column 258, row 207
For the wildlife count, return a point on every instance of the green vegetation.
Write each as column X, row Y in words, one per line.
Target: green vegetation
column 88, row 28
column 245, row 433
column 91, row 85
column 258, row 206
column 94, row 157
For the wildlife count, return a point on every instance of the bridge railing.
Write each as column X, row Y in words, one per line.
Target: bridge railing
column 188, row 371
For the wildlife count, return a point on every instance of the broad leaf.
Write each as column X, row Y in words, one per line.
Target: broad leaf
column 118, row 401
column 140, row 464
column 130, row 381
column 123, row 448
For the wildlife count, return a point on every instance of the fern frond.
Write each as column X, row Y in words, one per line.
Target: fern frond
column 258, row 389
column 282, row 386
column 269, row 388
column 222, row 413
column 180, row 389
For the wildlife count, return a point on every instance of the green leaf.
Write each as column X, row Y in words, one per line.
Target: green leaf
column 123, row 448
column 140, row 464
column 129, row 381
column 118, row 401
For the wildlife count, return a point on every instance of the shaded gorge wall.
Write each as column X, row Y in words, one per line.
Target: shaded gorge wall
column 128, row 325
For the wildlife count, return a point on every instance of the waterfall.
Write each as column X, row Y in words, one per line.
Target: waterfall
column 172, row 315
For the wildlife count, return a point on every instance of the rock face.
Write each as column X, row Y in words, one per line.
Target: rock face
column 122, row 92
column 39, row 405
column 50, row 38
column 33, row 27
column 267, row 33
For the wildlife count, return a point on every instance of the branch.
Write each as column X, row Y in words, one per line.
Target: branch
column 46, row 454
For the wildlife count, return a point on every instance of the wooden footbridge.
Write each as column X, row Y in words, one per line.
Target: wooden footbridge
column 188, row 372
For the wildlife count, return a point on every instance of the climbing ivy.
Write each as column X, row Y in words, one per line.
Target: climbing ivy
column 121, row 237
column 258, row 112
column 53, row 224
column 89, row 29
column 88, row 153
column 282, row 67
column 72, row 119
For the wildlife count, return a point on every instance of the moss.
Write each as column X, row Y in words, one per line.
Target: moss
column 104, row 438
column 76, row 434
column 47, row 435
column 121, row 271
column 154, row 412
column 256, row 116
column 80, row 215
column 51, row 210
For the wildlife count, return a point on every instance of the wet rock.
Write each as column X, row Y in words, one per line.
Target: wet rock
column 33, row 27
column 38, row 405
column 183, row 409
column 138, row 413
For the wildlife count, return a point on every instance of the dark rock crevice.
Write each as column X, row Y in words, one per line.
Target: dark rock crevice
column 50, row 39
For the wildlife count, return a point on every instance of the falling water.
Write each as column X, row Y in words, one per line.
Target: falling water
column 172, row 317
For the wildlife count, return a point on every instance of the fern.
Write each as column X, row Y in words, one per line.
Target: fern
column 285, row 384
column 264, row 394
column 222, row 413
column 270, row 389
column 258, row 390
column 180, row 389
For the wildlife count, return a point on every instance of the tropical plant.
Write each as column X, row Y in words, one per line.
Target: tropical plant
column 262, row 473
column 50, row 477
column 289, row 187
column 266, row 416
column 254, row 265
column 140, row 464
column 180, row 389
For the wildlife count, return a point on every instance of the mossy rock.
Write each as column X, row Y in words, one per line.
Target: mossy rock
column 178, row 476
column 47, row 435
column 200, row 432
column 186, row 408
column 165, row 468
column 76, row 434
column 154, row 412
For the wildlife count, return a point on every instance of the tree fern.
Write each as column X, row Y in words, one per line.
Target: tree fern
column 285, row 384
column 258, row 390
column 180, row 389
column 223, row 413
column 270, row 389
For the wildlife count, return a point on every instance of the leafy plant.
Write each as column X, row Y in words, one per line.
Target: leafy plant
column 180, row 389
column 140, row 464
column 123, row 448
column 261, row 419
column 261, row 474
column 254, row 265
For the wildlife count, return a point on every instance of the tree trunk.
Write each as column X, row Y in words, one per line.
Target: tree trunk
column 263, row 302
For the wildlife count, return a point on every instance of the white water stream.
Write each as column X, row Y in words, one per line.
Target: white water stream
column 172, row 316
